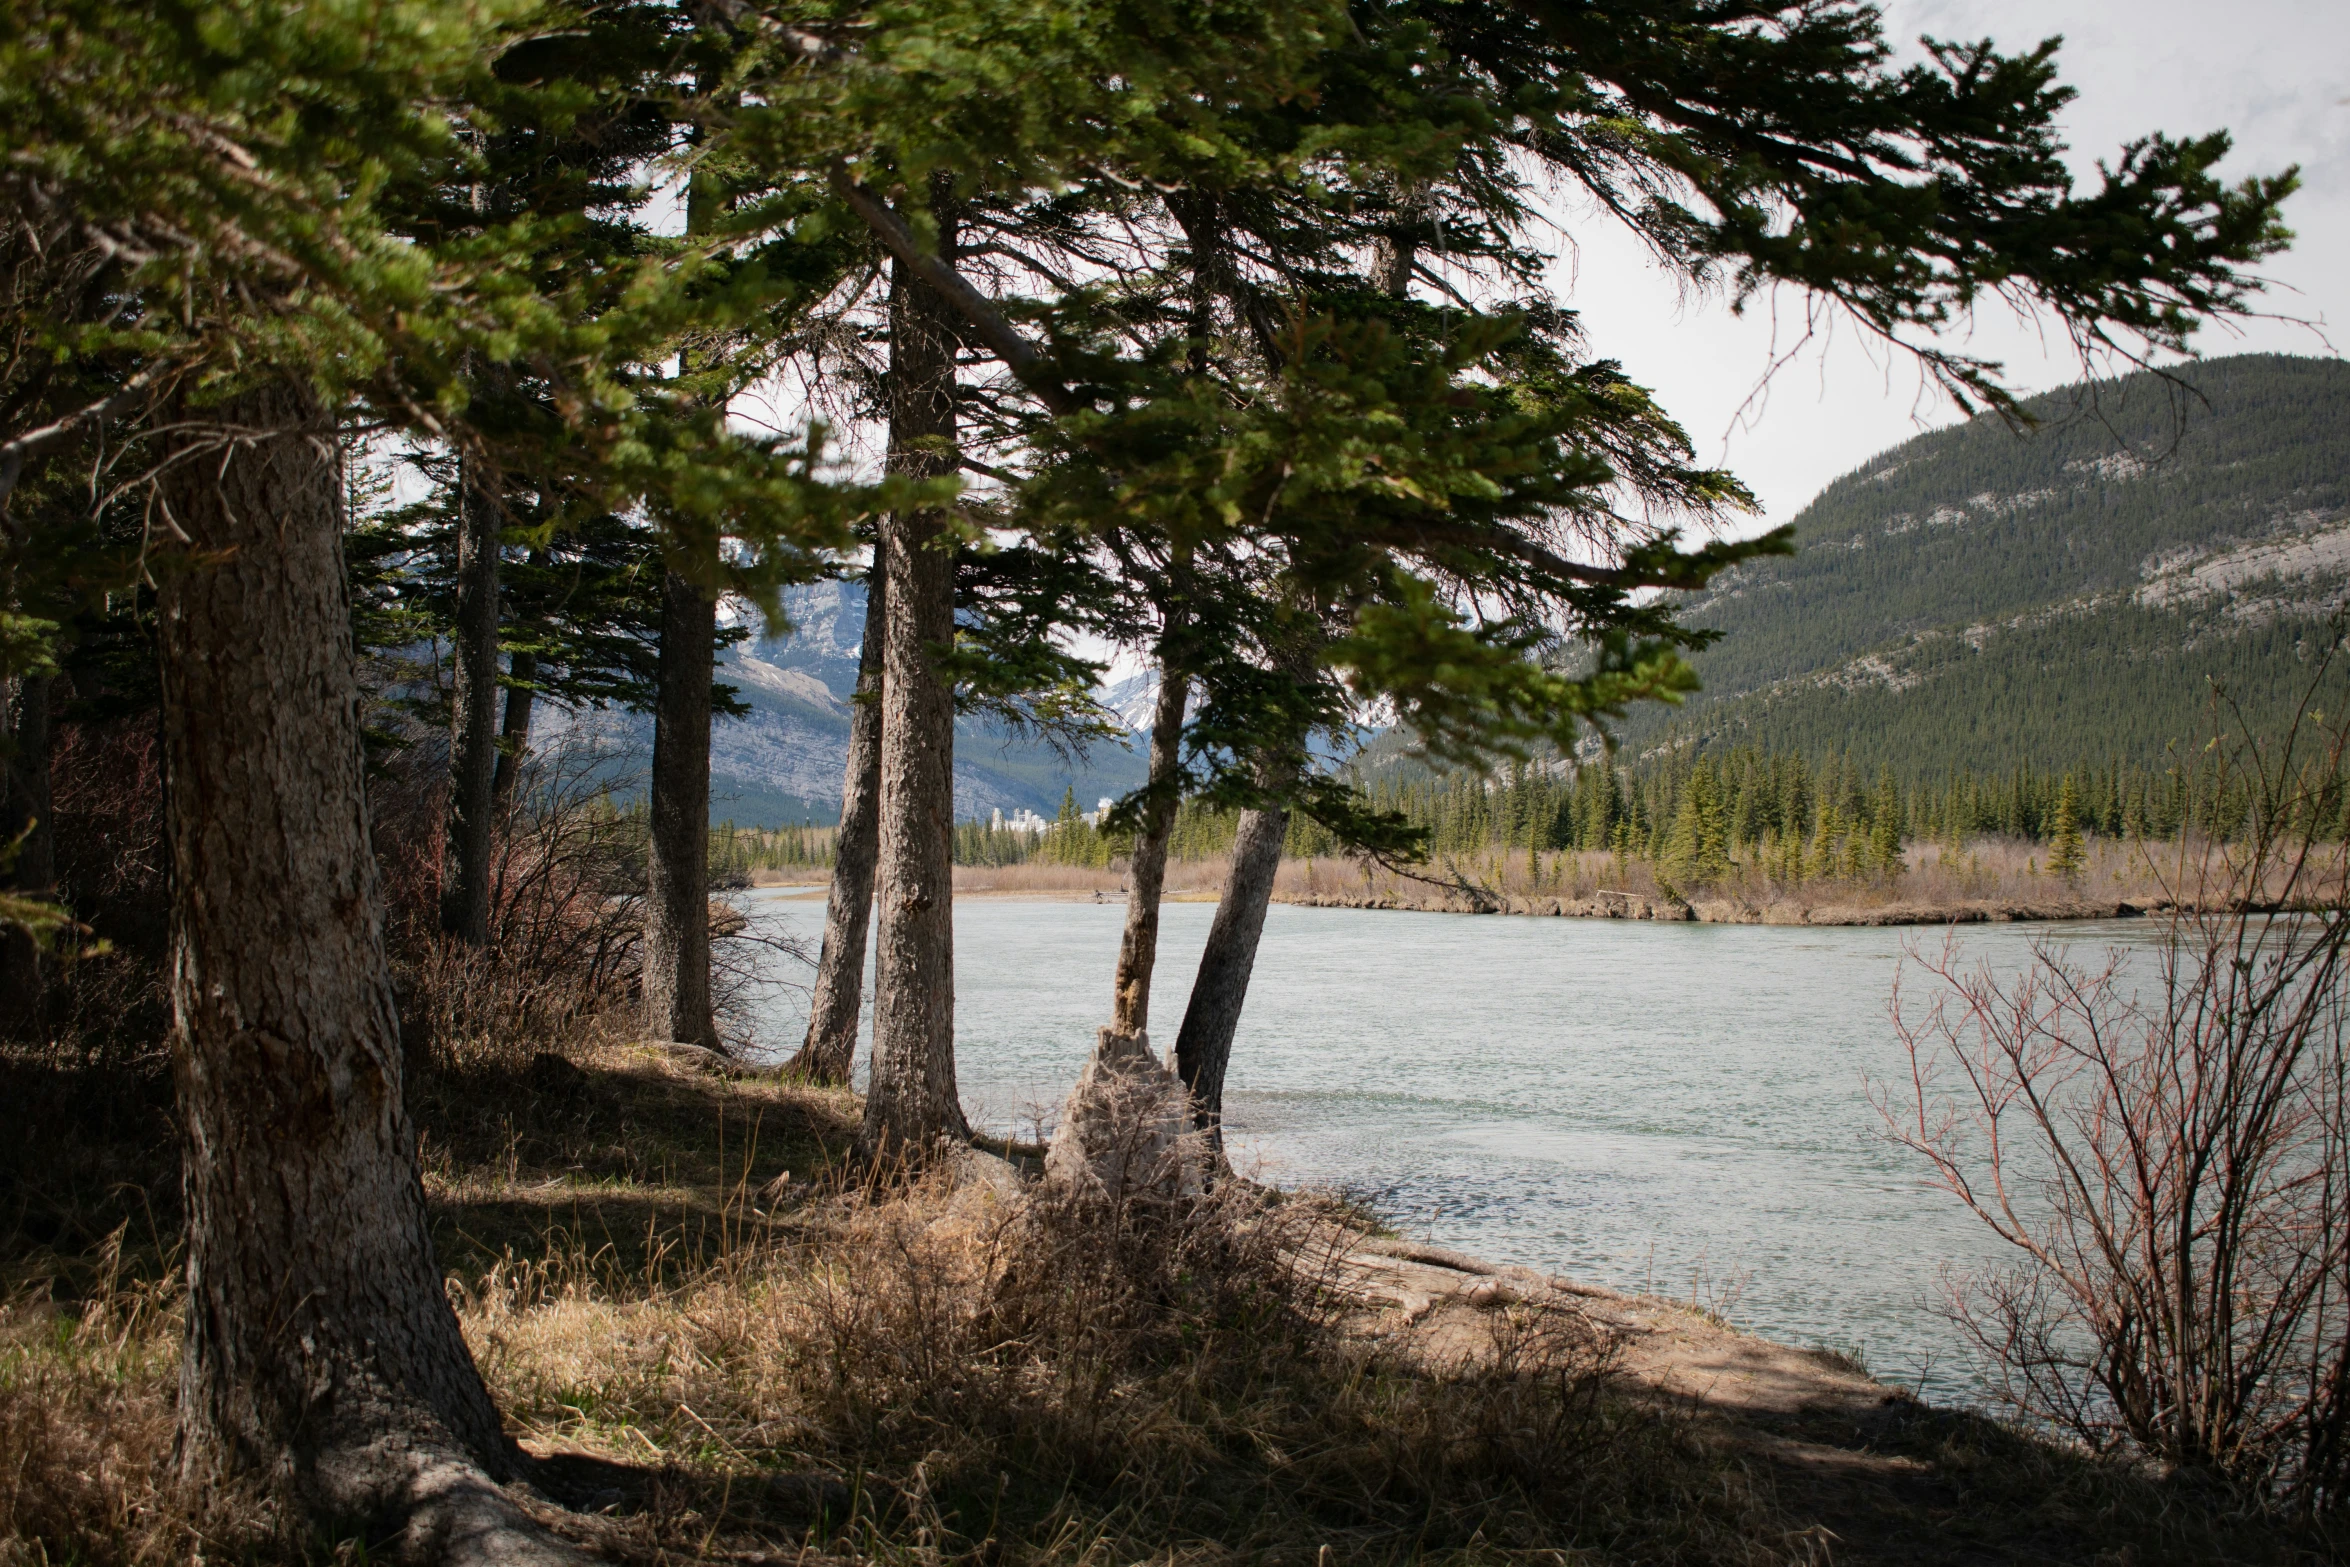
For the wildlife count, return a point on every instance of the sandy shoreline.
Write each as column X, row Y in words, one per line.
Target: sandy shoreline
column 1611, row 906
column 1730, row 911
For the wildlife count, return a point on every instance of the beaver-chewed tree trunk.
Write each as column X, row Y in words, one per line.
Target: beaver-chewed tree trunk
column 1146, row 876
column 322, row 1353
column 911, row 1102
column 1126, row 1127
column 1203, row 1047
column 831, row 1046
column 677, row 903
column 473, row 713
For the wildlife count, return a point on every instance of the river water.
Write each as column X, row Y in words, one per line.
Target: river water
column 1680, row 1108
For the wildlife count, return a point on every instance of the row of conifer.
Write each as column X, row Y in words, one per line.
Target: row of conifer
column 1692, row 816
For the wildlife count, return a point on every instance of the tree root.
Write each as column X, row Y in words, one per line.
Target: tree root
column 432, row 1506
column 459, row 1517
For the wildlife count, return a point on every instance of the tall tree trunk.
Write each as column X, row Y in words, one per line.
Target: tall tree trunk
column 322, row 1353
column 473, row 714
column 514, row 728
column 911, row 1101
column 1146, row 877
column 1203, row 1048
column 514, row 731
column 831, row 1046
column 1395, row 253
column 677, row 917
column 25, row 822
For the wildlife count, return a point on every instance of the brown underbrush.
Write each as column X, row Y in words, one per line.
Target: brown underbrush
column 946, row 1375
column 725, row 1347
column 669, row 1276
column 1934, row 876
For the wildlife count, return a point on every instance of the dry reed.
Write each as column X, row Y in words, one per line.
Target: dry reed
column 2005, row 872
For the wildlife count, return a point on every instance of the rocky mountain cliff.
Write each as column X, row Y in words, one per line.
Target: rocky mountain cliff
column 783, row 763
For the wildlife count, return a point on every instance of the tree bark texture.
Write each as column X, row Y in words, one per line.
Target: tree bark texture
column 1146, row 877
column 514, row 732
column 677, row 914
column 1203, row 1049
column 321, row 1351
column 830, row 1049
column 1395, row 253
column 25, row 821
column 473, row 714
column 911, row 1101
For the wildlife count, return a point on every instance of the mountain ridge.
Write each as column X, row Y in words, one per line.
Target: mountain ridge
column 1973, row 597
column 784, row 761
column 1976, row 596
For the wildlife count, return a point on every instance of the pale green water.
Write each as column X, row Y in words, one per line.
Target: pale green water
column 1677, row 1107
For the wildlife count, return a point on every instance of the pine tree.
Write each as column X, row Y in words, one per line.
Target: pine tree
column 2065, row 852
column 1822, row 859
column 1693, row 851
column 1885, row 822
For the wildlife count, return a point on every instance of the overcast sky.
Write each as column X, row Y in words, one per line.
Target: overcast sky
column 2275, row 73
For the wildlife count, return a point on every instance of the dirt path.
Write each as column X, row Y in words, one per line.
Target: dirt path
column 1865, row 1472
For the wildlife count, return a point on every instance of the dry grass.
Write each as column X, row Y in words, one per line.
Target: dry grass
column 668, row 1277
column 85, row 1443
column 943, row 1371
column 1185, row 879
column 1990, row 870
column 759, row 1355
column 955, row 1381
column 1999, row 871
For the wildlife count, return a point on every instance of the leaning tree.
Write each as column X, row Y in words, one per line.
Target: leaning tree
column 914, row 120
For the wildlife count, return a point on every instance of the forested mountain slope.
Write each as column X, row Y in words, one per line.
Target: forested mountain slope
column 1977, row 597
column 1973, row 598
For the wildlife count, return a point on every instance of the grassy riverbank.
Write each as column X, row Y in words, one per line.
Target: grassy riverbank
column 724, row 1349
column 1987, row 879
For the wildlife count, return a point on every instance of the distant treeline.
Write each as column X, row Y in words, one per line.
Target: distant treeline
column 1200, row 833
column 1795, row 815
column 1750, row 796
column 736, row 852
column 1735, row 804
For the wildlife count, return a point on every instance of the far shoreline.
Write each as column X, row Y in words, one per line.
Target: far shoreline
column 1732, row 911
column 1086, row 885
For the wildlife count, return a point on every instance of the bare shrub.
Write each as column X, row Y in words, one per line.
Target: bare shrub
column 566, row 890
column 106, row 1000
column 953, row 1304
column 1142, row 1273
column 2170, row 1161
column 566, row 929
column 1126, row 1130
column 750, row 965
